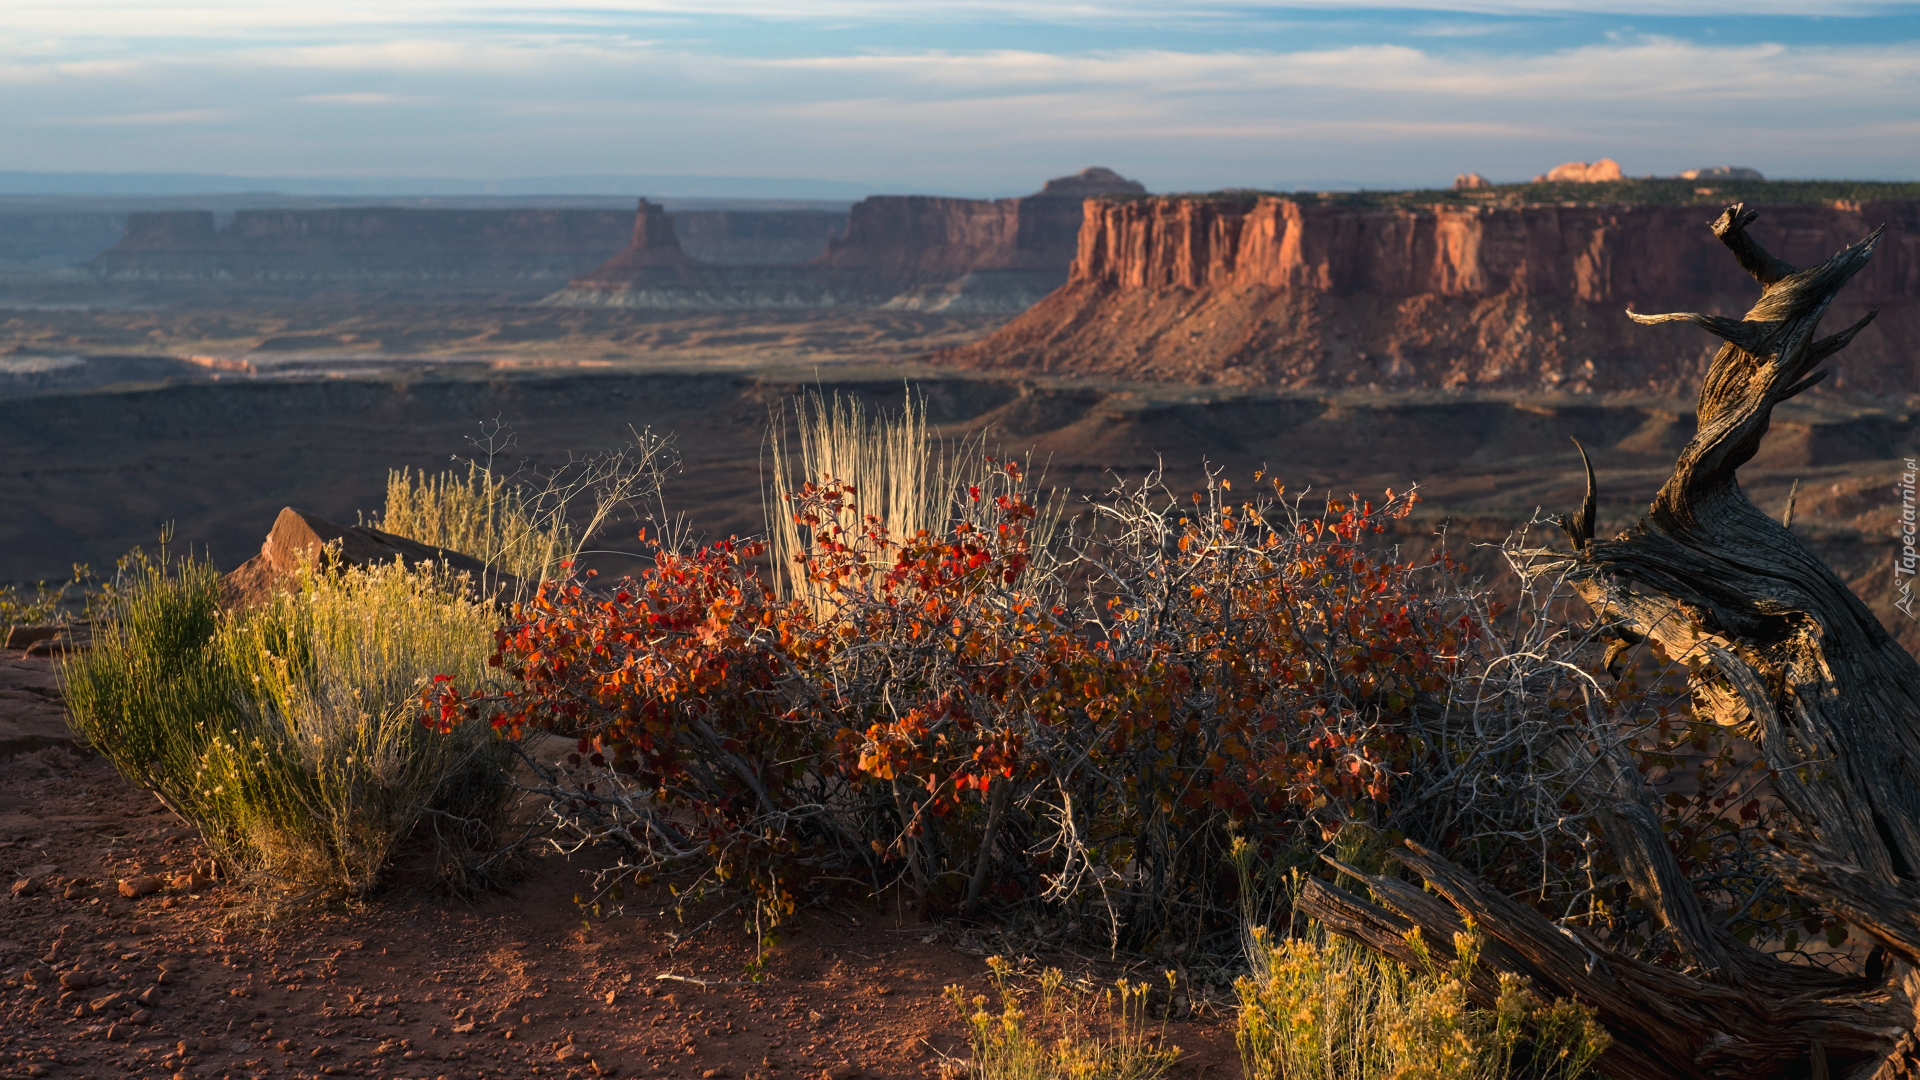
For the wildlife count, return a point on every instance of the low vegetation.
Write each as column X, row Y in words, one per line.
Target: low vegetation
column 287, row 734
column 944, row 688
column 1713, row 193
column 1070, row 728
column 481, row 514
column 1060, row 1031
column 1316, row 1007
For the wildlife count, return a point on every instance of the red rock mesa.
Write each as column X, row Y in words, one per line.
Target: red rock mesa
column 1280, row 292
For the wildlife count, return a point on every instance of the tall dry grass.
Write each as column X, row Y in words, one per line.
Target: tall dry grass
column 481, row 514
column 909, row 480
column 534, row 524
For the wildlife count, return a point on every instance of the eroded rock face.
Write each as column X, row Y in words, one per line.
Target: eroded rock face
column 371, row 244
column 912, row 252
column 1274, row 291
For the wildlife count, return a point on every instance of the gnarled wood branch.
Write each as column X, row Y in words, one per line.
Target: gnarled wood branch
column 1786, row 654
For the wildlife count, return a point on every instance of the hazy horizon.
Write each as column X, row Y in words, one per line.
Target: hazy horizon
column 799, row 98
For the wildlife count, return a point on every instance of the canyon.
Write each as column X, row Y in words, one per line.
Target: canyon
column 398, row 244
column 1279, row 292
column 900, row 252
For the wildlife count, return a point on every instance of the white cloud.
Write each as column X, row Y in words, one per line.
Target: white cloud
column 526, row 96
column 248, row 18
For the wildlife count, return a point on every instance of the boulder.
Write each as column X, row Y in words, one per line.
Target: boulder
column 298, row 537
column 1579, row 172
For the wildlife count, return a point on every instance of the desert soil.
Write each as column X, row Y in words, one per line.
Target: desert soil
column 197, row 980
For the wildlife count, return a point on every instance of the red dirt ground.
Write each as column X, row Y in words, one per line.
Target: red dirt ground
column 414, row 984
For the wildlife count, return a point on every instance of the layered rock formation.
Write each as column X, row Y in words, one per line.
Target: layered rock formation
column 1270, row 291
column 362, row 244
column 911, row 252
column 42, row 242
column 757, row 237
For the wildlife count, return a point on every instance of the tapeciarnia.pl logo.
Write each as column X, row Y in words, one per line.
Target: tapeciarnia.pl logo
column 1909, row 560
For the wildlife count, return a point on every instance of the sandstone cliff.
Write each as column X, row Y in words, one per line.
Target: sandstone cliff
column 911, row 252
column 1270, row 291
column 757, row 237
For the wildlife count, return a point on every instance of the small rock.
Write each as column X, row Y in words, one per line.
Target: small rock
column 463, row 1029
column 193, row 882
column 287, row 1046
column 174, row 964
column 38, row 1068
column 134, row 888
column 149, row 996
column 76, row 980
column 117, row 1032
column 567, row 1052
column 76, row 891
column 102, row 1004
column 26, row 886
column 842, row 1071
column 141, row 1016
column 611, row 994
column 713, row 1074
column 165, row 978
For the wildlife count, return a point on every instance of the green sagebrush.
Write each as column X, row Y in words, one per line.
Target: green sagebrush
column 289, row 735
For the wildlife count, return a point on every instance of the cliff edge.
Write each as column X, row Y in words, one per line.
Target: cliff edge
column 900, row 252
column 1284, row 292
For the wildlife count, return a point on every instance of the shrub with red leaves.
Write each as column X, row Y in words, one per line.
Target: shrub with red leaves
column 1085, row 723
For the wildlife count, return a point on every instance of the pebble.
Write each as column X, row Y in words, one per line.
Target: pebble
column 134, row 888
column 26, row 886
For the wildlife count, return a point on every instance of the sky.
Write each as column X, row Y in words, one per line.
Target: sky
column 969, row 97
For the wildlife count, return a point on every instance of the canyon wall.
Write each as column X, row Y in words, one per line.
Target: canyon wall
column 37, row 243
column 1270, row 291
column 900, row 252
column 757, row 237
column 363, row 244
column 400, row 245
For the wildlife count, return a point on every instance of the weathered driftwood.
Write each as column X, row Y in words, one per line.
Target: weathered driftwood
column 1765, row 1023
column 1786, row 654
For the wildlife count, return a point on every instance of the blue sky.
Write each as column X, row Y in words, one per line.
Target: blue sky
column 963, row 96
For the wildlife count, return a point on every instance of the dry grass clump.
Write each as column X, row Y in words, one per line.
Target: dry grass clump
column 1066, row 1033
column 909, row 483
column 290, row 735
column 480, row 514
column 1317, row 1007
column 533, row 524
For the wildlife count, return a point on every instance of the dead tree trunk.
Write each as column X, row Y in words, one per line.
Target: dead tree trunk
column 1782, row 651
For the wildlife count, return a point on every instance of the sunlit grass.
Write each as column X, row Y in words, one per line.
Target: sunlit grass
column 290, row 736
